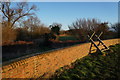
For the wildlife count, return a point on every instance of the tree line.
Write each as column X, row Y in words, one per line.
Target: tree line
column 83, row 27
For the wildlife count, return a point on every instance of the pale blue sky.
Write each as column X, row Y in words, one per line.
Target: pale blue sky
column 62, row 0
column 67, row 12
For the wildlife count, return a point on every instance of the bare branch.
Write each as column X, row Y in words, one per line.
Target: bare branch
column 14, row 14
column 2, row 9
column 19, row 18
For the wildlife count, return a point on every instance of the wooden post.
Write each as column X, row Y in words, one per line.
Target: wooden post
column 93, row 43
column 101, row 42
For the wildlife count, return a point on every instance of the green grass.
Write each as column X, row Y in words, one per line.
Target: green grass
column 65, row 38
column 92, row 67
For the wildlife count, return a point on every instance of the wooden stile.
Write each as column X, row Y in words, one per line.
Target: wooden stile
column 96, row 45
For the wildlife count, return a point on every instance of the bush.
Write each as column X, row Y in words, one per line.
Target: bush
column 38, row 31
column 8, row 34
column 26, row 35
column 22, row 34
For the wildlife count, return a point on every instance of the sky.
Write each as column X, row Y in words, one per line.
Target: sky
column 68, row 12
column 60, row 0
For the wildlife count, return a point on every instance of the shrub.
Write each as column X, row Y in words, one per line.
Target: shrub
column 8, row 34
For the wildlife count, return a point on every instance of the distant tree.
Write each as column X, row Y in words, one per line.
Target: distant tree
column 34, row 27
column 82, row 27
column 87, row 24
column 103, row 27
column 55, row 29
column 31, row 23
column 116, row 27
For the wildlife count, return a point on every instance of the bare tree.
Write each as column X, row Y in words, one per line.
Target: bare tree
column 88, row 24
column 34, row 27
column 82, row 27
column 11, row 14
column 31, row 23
column 116, row 27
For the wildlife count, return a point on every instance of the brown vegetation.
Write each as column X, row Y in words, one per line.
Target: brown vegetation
column 83, row 27
column 8, row 34
column 16, row 43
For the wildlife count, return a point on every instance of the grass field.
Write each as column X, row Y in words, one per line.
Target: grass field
column 65, row 38
column 92, row 67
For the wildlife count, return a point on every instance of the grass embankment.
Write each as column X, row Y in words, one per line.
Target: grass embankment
column 93, row 67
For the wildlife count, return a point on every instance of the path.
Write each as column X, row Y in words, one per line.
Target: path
column 46, row 64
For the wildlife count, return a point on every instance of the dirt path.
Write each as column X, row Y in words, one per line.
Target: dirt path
column 46, row 64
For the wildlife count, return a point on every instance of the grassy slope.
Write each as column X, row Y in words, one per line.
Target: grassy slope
column 92, row 67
